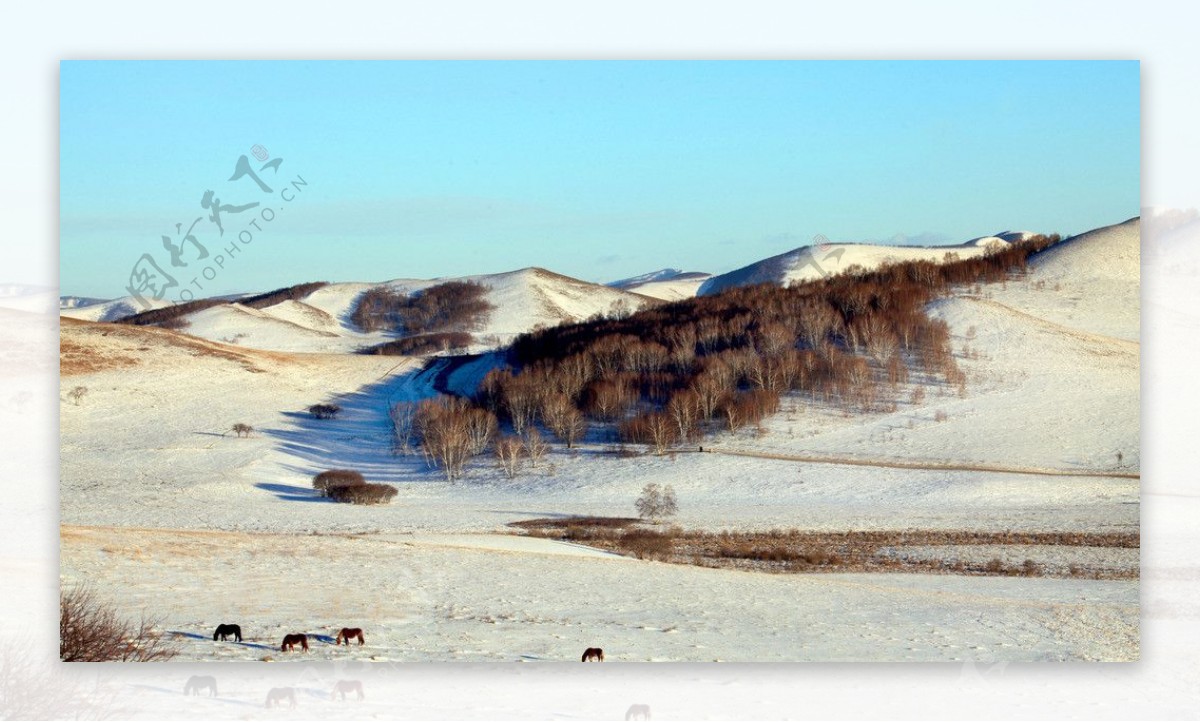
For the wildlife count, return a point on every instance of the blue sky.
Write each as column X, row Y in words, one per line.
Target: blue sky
column 598, row 170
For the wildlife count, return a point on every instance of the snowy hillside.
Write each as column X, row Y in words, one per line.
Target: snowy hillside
column 320, row 322
column 808, row 262
column 669, row 284
column 68, row 302
column 113, row 310
column 1090, row 282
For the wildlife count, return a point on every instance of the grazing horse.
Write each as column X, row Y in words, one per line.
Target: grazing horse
column 638, row 711
column 347, row 685
column 228, row 630
column 196, row 683
column 347, row 634
column 278, row 695
column 593, row 654
column 290, row 641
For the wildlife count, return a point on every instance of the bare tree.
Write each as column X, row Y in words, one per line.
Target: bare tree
column 510, row 452
column 403, row 416
column 684, row 409
column 242, row 429
column 481, row 428
column 536, row 447
column 91, row 631
column 445, row 437
column 608, row 399
column 656, row 502
column 655, row 429
column 564, row 419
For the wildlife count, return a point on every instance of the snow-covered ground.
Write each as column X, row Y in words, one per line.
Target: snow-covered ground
column 164, row 507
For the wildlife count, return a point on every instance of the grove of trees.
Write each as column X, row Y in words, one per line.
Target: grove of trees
column 454, row 306
column 672, row 373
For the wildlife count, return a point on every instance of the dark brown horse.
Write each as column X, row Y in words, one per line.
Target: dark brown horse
column 277, row 696
column 347, row 685
column 290, row 641
column 196, row 683
column 228, row 630
column 593, row 654
column 349, row 633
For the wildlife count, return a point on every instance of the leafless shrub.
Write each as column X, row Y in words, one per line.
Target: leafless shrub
column 362, row 493
column 325, row 481
column 324, row 411
column 242, row 429
column 918, row 395
column 92, row 631
column 76, row 394
column 646, row 543
column 939, row 415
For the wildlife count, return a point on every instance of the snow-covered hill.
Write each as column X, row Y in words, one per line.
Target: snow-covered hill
column 320, row 322
column 106, row 311
column 669, row 284
column 809, row 262
column 69, row 302
column 1090, row 283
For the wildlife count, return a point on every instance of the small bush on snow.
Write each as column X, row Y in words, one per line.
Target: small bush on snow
column 327, row 480
column 362, row 493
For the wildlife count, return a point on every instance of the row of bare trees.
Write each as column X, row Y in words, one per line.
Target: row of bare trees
column 674, row 372
column 449, row 431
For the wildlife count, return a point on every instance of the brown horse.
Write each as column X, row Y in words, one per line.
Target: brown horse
column 278, row 695
column 593, row 654
column 349, row 633
column 290, row 641
column 347, row 685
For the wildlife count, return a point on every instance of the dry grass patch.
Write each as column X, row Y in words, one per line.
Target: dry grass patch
column 798, row 551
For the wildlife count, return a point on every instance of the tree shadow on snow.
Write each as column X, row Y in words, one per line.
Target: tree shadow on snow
column 287, row 492
column 360, row 437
